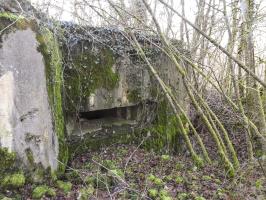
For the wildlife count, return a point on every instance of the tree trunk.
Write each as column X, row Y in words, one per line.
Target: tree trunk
column 253, row 99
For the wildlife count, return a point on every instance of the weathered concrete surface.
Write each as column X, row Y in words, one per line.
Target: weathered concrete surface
column 25, row 115
column 106, row 80
column 6, row 108
column 110, row 48
column 132, row 88
column 103, row 48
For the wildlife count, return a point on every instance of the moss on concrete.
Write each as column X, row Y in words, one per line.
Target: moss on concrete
column 88, row 73
column 7, row 161
column 49, row 48
column 165, row 133
column 91, row 143
column 38, row 175
column 10, row 16
column 10, row 22
column 134, row 96
column 30, row 156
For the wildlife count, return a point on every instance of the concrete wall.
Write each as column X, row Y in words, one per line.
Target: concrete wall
column 26, row 122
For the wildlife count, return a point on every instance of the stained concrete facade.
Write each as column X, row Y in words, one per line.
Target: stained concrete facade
column 26, row 122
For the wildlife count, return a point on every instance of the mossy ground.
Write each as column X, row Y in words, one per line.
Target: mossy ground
column 64, row 186
column 42, row 191
column 13, row 181
column 129, row 172
column 10, row 175
column 173, row 177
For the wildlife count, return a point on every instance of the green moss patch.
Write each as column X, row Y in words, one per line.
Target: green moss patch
column 86, row 193
column 42, row 191
column 153, row 193
column 30, row 156
column 13, row 181
column 6, row 19
column 10, row 22
column 65, row 186
column 7, row 161
column 10, row 177
column 10, row 16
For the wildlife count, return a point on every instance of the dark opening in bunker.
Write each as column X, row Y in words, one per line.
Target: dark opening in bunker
column 106, row 122
column 126, row 113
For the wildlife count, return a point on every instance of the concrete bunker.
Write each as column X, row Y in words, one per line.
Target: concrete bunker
column 95, row 88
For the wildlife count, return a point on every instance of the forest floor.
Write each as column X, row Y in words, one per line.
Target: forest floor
column 128, row 172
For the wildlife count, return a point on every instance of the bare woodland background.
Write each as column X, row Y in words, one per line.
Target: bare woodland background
column 224, row 73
